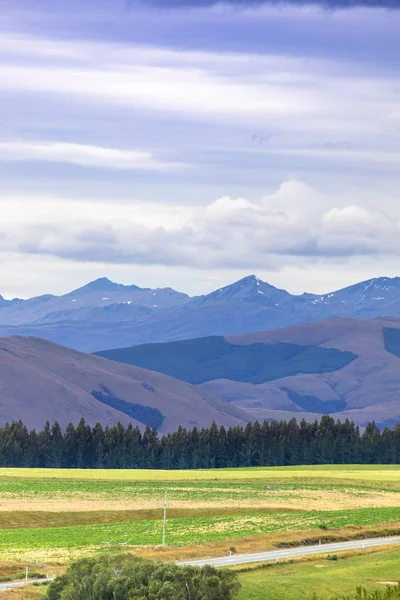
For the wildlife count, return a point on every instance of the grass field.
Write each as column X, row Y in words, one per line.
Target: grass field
column 323, row 577
column 57, row 515
column 53, row 542
column 354, row 472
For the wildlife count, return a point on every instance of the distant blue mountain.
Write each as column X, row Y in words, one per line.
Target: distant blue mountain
column 103, row 314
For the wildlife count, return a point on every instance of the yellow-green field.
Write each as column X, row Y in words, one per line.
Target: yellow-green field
column 54, row 516
column 352, row 472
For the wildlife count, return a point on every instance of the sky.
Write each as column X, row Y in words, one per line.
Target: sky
column 188, row 144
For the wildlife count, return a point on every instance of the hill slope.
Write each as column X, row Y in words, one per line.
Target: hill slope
column 346, row 367
column 40, row 380
column 104, row 314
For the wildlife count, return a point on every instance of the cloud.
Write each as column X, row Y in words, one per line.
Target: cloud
column 82, row 155
column 314, row 96
column 321, row 113
column 296, row 221
column 343, row 4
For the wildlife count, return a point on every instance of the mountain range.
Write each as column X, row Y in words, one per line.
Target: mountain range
column 103, row 314
column 349, row 368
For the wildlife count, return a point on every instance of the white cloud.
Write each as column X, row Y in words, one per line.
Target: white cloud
column 83, row 155
column 294, row 221
column 348, row 216
column 313, row 95
column 308, row 106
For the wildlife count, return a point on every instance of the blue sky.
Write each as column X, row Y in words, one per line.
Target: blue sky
column 192, row 144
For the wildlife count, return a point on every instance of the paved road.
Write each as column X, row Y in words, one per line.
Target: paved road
column 240, row 559
column 16, row 584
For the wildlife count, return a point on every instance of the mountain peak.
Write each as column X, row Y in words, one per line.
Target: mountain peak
column 252, row 280
column 103, row 284
column 249, row 288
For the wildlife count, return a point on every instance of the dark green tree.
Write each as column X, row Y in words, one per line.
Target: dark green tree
column 125, row 577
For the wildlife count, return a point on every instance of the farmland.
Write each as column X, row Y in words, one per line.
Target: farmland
column 55, row 516
column 320, row 576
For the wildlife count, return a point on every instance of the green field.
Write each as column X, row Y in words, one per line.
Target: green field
column 322, row 577
column 56, row 514
column 15, row 542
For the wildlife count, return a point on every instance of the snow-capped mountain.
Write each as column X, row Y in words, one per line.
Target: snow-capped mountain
column 104, row 314
column 248, row 289
column 95, row 301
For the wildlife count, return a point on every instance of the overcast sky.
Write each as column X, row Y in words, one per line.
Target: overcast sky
column 190, row 146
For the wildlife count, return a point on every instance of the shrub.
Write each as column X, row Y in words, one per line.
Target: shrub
column 116, row 577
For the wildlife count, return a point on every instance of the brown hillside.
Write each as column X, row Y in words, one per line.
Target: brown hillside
column 370, row 385
column 42, row 381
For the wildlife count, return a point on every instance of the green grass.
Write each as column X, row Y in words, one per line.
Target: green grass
column 184, row 531
column 201, row 490
column 322, row 577
column 207, row 505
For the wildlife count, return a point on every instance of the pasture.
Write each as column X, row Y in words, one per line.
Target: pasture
column 325, row 578
column 55, row 516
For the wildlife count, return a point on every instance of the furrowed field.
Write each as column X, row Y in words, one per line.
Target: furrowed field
column 54, row 516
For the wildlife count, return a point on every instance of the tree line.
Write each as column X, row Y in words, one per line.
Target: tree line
column 274, row 443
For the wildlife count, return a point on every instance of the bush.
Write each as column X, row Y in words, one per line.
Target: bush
column 122, row 576
column 332, row 557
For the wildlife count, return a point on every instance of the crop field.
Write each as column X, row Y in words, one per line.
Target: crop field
column 55, row 515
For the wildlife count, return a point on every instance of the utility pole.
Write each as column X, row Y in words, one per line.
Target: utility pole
column 165, row 506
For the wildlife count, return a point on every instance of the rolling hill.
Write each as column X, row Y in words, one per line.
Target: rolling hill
column 349, row 368
column 41, row 381
column 103, row 314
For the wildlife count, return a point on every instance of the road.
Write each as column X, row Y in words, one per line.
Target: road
column 16, row 584
column 276, row 555
column 271, row 555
